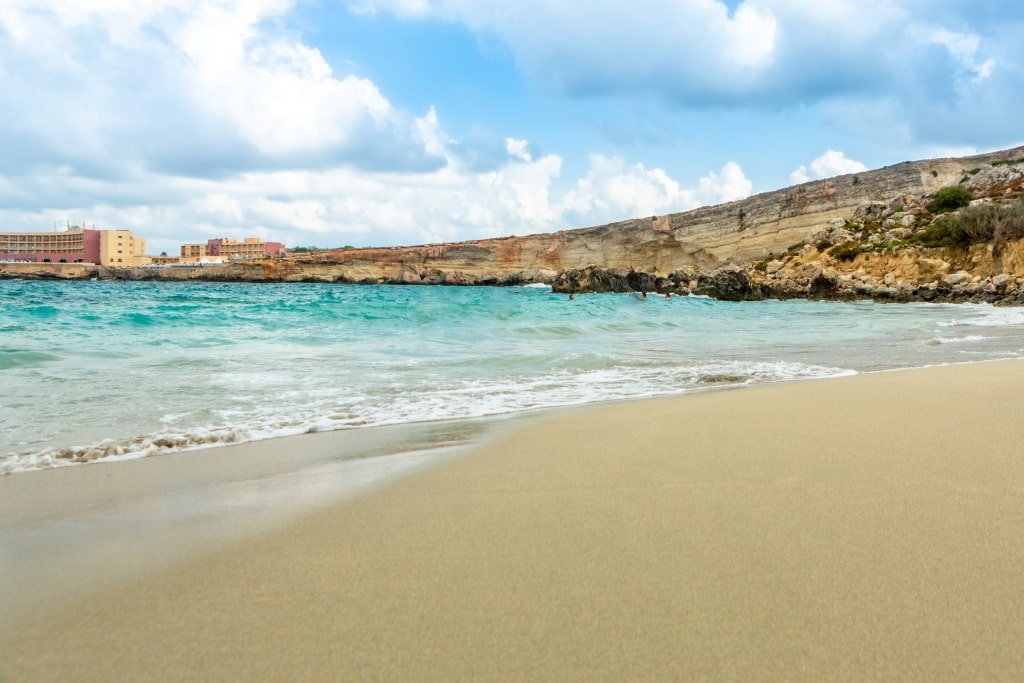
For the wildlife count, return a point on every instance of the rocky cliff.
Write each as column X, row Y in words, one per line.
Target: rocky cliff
column 784, row 242
column 705, row 238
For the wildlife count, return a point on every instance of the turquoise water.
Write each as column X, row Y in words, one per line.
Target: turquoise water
column 108, row 370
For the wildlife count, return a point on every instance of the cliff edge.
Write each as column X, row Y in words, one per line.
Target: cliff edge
column 788, row 242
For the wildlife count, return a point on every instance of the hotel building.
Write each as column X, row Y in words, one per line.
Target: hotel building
column 75, row 245
column 228, row 249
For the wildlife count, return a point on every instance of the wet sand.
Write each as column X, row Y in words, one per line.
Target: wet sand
column 864, row 529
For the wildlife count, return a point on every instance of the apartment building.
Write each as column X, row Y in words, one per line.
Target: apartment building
column 74, row 245
column 229, row 249
column 122, row 248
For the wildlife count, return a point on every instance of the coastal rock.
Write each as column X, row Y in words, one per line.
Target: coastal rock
column 823, row 284
column 956, row 278
column 538, row 275
column 730, row 283
column 641, row 282
column 932, row 267
column 410, row 276
column 457, row 277
column 590, row 279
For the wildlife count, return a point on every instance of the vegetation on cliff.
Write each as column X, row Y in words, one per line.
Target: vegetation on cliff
column 982, row 223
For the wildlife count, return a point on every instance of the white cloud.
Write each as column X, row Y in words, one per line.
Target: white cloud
column 338, row 206
column 727, row 185
column 190, row 119
column 752, row 32
column 614, row 190
column 831, row 163
column 655, row 44
column 963, row 48
column 517, row 148
column 904, row 57
column 218, row 84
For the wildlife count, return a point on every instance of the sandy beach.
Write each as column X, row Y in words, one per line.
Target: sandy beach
column 868, row 528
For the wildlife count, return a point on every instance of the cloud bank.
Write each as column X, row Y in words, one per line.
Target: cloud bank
column 951, row 73
column 191, row 119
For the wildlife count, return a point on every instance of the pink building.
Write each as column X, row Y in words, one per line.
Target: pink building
column 250, row 247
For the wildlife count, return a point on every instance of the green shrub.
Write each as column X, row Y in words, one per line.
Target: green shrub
column 976, row 224
column 941, row 233
column 845, row 252
column 950, row 199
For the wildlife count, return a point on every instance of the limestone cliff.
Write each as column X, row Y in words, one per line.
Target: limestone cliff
column 785, row 240
column 744, row 230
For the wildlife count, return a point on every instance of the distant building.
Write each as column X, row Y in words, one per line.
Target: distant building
column 229, row 249
column 164, row 260
column 75, row 245
column 193, row 252
column 121, row 248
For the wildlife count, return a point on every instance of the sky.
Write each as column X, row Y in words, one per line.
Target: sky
column 330, row 123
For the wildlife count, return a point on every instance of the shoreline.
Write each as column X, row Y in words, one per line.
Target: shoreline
column 855, row 528
column 180, row 504
column 723, row 282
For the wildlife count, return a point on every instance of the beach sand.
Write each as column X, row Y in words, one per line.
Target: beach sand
column 868, row 528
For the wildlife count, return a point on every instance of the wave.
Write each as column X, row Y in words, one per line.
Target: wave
column 938, row 341
column 987, row 315
column 44, row 311
column 206, row 364
column 113, row 449
column 319, row 411
column 19, row 358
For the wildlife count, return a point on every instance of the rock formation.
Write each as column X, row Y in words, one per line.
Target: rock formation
column 863, row 235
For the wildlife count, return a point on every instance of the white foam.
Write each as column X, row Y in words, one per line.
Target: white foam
column 320, row 412
column 988, row 316
column 956, row 340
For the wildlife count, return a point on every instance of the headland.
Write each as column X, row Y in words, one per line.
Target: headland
column 932, row 230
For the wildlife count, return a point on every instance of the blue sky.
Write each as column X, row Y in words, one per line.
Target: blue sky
column 382, row 122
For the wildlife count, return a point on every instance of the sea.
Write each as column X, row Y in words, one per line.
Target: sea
column 110, row 370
